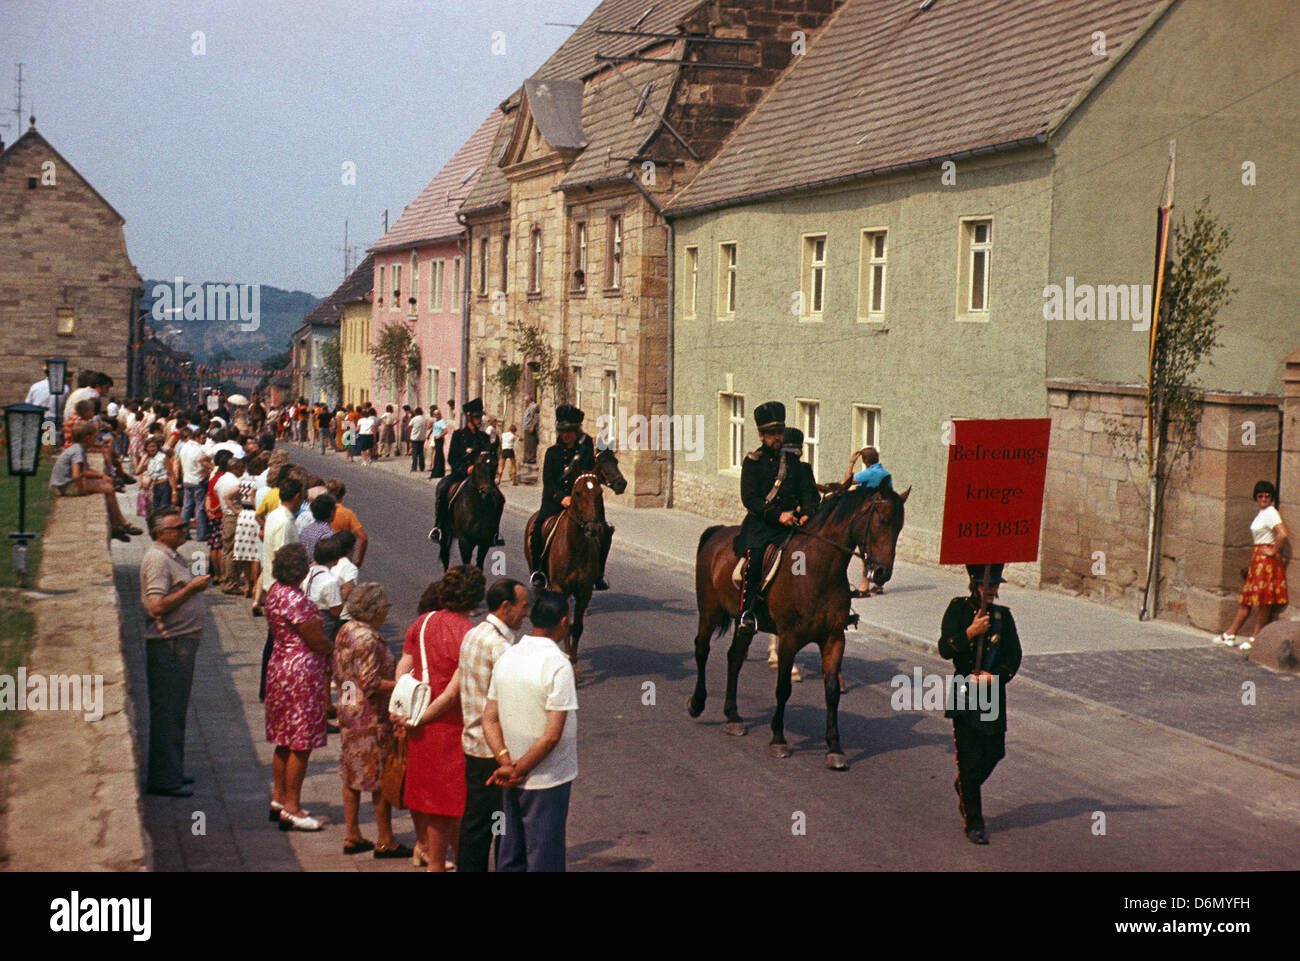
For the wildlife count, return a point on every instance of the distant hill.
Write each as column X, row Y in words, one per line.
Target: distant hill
column 278, row 314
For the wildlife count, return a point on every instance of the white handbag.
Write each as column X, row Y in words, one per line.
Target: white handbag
column 411, row 697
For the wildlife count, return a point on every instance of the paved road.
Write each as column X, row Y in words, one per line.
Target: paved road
column 661, row 791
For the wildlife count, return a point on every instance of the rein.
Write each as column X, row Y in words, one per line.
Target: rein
column 853, row 551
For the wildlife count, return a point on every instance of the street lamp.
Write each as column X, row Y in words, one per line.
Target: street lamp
column 23, row 432
column 56, row 372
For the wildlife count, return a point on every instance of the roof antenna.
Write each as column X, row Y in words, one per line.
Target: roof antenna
column 649, row 10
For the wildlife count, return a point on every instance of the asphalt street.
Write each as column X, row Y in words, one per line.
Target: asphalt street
column 1083, row 787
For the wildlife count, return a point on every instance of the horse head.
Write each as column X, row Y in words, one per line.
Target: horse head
column 883, row 522
column 484, row 475
column 607, row 470
column 587, row 505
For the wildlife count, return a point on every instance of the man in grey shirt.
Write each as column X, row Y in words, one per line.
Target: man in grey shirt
column 530, row 430
column 174, row 613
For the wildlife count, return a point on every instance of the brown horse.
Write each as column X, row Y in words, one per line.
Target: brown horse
column 807, row 602
column 581, row 536
column 475, row 513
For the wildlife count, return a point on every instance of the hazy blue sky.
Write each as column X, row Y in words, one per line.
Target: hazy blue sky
column 228, row 166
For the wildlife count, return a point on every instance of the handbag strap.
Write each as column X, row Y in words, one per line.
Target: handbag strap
column 424, row 661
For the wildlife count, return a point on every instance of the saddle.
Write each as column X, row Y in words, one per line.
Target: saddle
column 548, row 532
column 771, row 564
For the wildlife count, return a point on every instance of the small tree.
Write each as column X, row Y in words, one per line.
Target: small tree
column 396, row 356
column 331, row 368
column 1195, row 290
column 531, row 342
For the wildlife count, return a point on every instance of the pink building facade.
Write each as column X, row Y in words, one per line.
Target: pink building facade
column 420, row 281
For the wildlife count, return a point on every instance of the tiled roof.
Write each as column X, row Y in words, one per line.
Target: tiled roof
column 576, row 57
column 357, row 285
column 886, row 84
column 491, row 187
column 432, row 215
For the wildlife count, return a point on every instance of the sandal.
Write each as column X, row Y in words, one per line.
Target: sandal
column 419, row 857
column 359, row 847
column 857, row 593
column 301, row 822
column 1246, row 645
column 397, row 851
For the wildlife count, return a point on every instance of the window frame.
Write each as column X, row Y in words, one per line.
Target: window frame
column 436, row 268
column 809, row 268
column 690, row 280
column 614, row 251
column 396, row 277
column 59, row 330
column 868, row 263
column 968, row 249
column 536, row 253
column 731, row 432
column 864, row 413
column 728, row 279
column 811, row 437
column 581, row 249
column 457, row 267
column 485, row 254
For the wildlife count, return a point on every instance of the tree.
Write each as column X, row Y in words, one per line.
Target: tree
column 276, row 361
column 331, row 368
column 530, row 341
column 396, row 356
column 1187, row 331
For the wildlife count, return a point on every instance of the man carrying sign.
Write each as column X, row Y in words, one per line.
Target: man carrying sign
column 980, row 639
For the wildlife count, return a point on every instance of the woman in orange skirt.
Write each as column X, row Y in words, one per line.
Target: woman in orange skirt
column 1266, row 583
column 435, row 764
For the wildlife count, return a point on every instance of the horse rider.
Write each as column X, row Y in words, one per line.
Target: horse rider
column 792, row 444
column 466, row 444
column 776, row 491
column 976, row 628
column 573, row 453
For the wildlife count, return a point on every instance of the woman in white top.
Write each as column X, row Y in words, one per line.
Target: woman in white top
column 366, row 434
column 508, row 456
column 1266, row 583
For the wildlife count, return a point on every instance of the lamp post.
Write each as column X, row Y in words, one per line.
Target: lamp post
column 56, row 373
column 23, row 435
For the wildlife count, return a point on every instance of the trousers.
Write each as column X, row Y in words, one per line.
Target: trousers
column 535, row 823
column 417, row 455
column 169, row 669
column 978, row 752
column 482, row 807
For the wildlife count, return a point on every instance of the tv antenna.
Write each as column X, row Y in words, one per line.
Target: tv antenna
column 18, row 101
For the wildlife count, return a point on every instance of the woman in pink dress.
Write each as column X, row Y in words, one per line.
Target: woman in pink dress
column 435, row 764
column 295, row 676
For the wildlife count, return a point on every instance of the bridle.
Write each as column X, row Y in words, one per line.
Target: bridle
column 594, row 528
column 854, row 550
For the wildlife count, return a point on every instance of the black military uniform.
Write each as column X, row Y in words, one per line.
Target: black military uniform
column 561, row 465
column 980, row 741
column 771, row 483
column 466, row 444
column 792, row 444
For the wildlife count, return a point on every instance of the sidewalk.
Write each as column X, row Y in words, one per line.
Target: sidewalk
column 1163, row 674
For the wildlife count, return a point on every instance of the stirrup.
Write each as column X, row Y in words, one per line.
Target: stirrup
column 538, row 580
column 747, row 621
column 435, row 535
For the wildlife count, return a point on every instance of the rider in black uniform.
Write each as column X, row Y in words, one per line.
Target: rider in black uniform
column 466, row 444
column 775, row 489
column 574, row 453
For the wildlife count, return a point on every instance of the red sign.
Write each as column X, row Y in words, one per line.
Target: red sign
column 993, row 505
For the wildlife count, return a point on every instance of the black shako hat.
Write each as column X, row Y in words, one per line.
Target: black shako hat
column 568, row 417
column 976, row 572
column 473, row 408
column 793, row 440
column 770, row 416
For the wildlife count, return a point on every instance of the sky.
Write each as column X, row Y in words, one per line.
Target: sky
column 225, row 152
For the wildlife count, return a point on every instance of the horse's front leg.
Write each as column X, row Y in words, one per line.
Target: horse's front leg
column 784, row 666
column 832, row 657
column 736, row 655
column 581, row 599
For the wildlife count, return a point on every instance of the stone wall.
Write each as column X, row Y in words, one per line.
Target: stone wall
column 1095, row 511
column 74, row 784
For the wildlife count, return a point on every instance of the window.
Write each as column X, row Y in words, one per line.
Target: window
column 381, row 288
column 482, row 266
column 65, row 321
column 813, row 278
column 396, row 303
column 726, row 280
column 482, row 377
column 579, row 256
column 611, row 395
column 871, row 276
column 575, row 387
column 415, row 283
column 535, row 261
column 977, row 248
column 866, row 428
column 451, row 385
column 455, row 283
column 731, row 431
column 505, row 262
column 436, row 268
column 430, row 388
column 614, row 269
column 809, row 414
column 690, row 281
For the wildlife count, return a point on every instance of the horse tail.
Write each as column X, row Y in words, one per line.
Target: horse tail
column 708, row 532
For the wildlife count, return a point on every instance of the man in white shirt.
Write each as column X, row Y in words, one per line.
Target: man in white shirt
column 416, row 427
column 279, row 530
column 507, row 602
column 189, row 456
column 39, row 394
column 529, row 724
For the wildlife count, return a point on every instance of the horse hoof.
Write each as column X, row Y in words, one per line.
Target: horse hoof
column 736, row 729
column 836, row 762
column 691, row 709
column 779, row 750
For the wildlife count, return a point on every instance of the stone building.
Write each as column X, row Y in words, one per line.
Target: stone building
column 67, row 284
column 569, row 251
column 880, row 254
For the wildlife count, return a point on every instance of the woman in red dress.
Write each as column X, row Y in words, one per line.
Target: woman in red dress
column 435, row 764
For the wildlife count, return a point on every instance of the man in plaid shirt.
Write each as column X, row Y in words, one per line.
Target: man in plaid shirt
column 507, row 602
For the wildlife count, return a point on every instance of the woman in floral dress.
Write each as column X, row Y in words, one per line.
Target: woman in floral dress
column 363, row 669
column 295, row 675
column 246, row 555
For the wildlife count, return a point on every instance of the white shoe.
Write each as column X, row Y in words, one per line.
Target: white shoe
column 1225, row 638
column 1246, row 645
